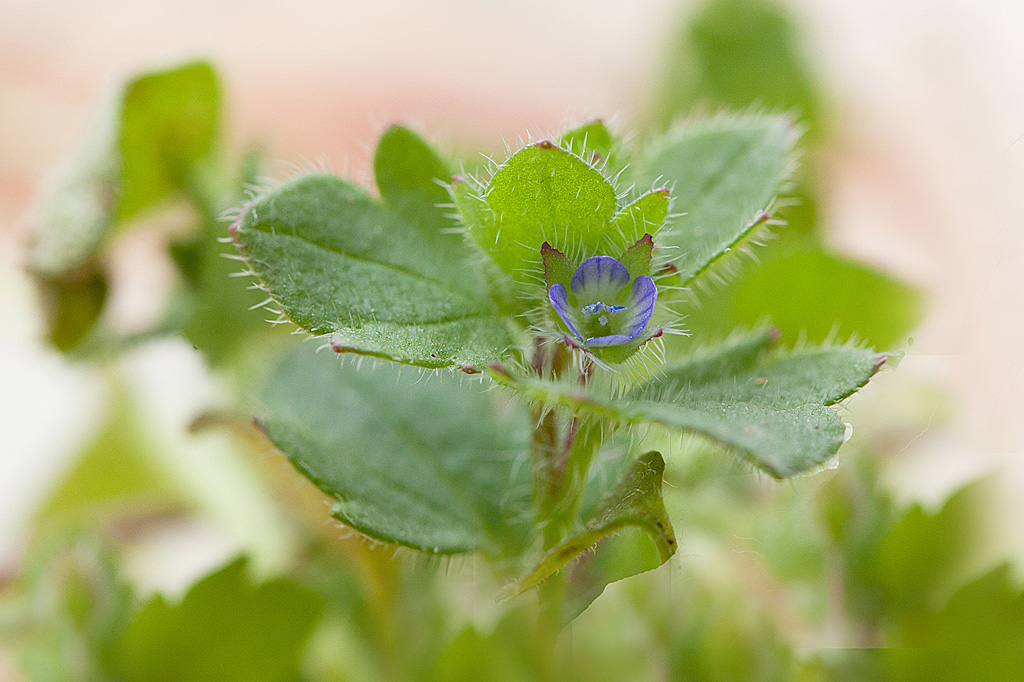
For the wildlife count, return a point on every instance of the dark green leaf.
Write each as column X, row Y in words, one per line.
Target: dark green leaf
column 724, row 174
column 342, row 266
column 772, row 410
column 423, row 463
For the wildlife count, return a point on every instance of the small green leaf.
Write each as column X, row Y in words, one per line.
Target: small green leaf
column 423, row 463
column 557, row 268
column 644, row 216
column 342, row 266
column 591, row 141
column 637, row 258
column 170, row 122
column 410, row 177
column 225, row 628
column 543, row 193
column 634, row 502
column 724, row 174
column 772, row 409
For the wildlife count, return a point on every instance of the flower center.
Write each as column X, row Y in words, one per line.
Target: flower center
column 598, row 308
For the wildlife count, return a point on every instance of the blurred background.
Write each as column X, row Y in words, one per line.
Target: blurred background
column 914, row 165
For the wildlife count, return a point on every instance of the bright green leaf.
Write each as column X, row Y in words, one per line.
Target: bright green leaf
column 644, row 216
column 542, row 194
column 423, row 463
column 628, row 532
column 170, row 121
column 342, row 266
column 592, row 142
column 724, row 174
column 772, row 410
column 225, row 628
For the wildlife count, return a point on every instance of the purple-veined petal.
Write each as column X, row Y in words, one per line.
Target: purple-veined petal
column 640, row 306
column 559, row 298
column 610, row 340
column 599, row 278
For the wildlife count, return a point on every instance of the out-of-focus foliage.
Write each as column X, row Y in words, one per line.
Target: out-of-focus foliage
column 224, row 628
column 826, row 577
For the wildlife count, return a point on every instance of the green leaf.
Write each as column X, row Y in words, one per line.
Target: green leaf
column 592, row 142
column 977, row 635
column 772, row 409
column 225, row 628
column 736, row 54
column 812, row 294
column 634, row 504
column 644, row 216
column 724, row 174
column 423, row 463
column 169, row 123
column 340, row 265
column 925, row 556
column 143, row 146
column 543, row 193
column 635, row 501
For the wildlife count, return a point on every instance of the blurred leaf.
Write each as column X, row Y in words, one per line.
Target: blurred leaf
column 72, row 304
column 724, row 174
column 225, row 628
column 343, row 266
column 773, row 410
column 68, row 612
column 925, row 556
column 634, row 502
column 217, row 311
column 143, row 146
column 117, row 471
column 978, row 635
column 815, row 295
column 170, row 122
column 425, row 464
column 503, row 655
column 723, row 637
column 737, row 54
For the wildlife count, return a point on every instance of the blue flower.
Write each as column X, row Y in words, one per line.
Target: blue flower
column 601, row 309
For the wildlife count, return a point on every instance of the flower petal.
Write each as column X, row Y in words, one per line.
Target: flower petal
column 610, row 340
column 599, row 278
column 640, row 306
column 560, row 302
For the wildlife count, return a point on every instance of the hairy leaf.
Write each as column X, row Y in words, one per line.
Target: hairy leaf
column 341, row 265
column 423, row 463
column 636, row 503
column 772, row 409
column 543, row 193
column 724, row 174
